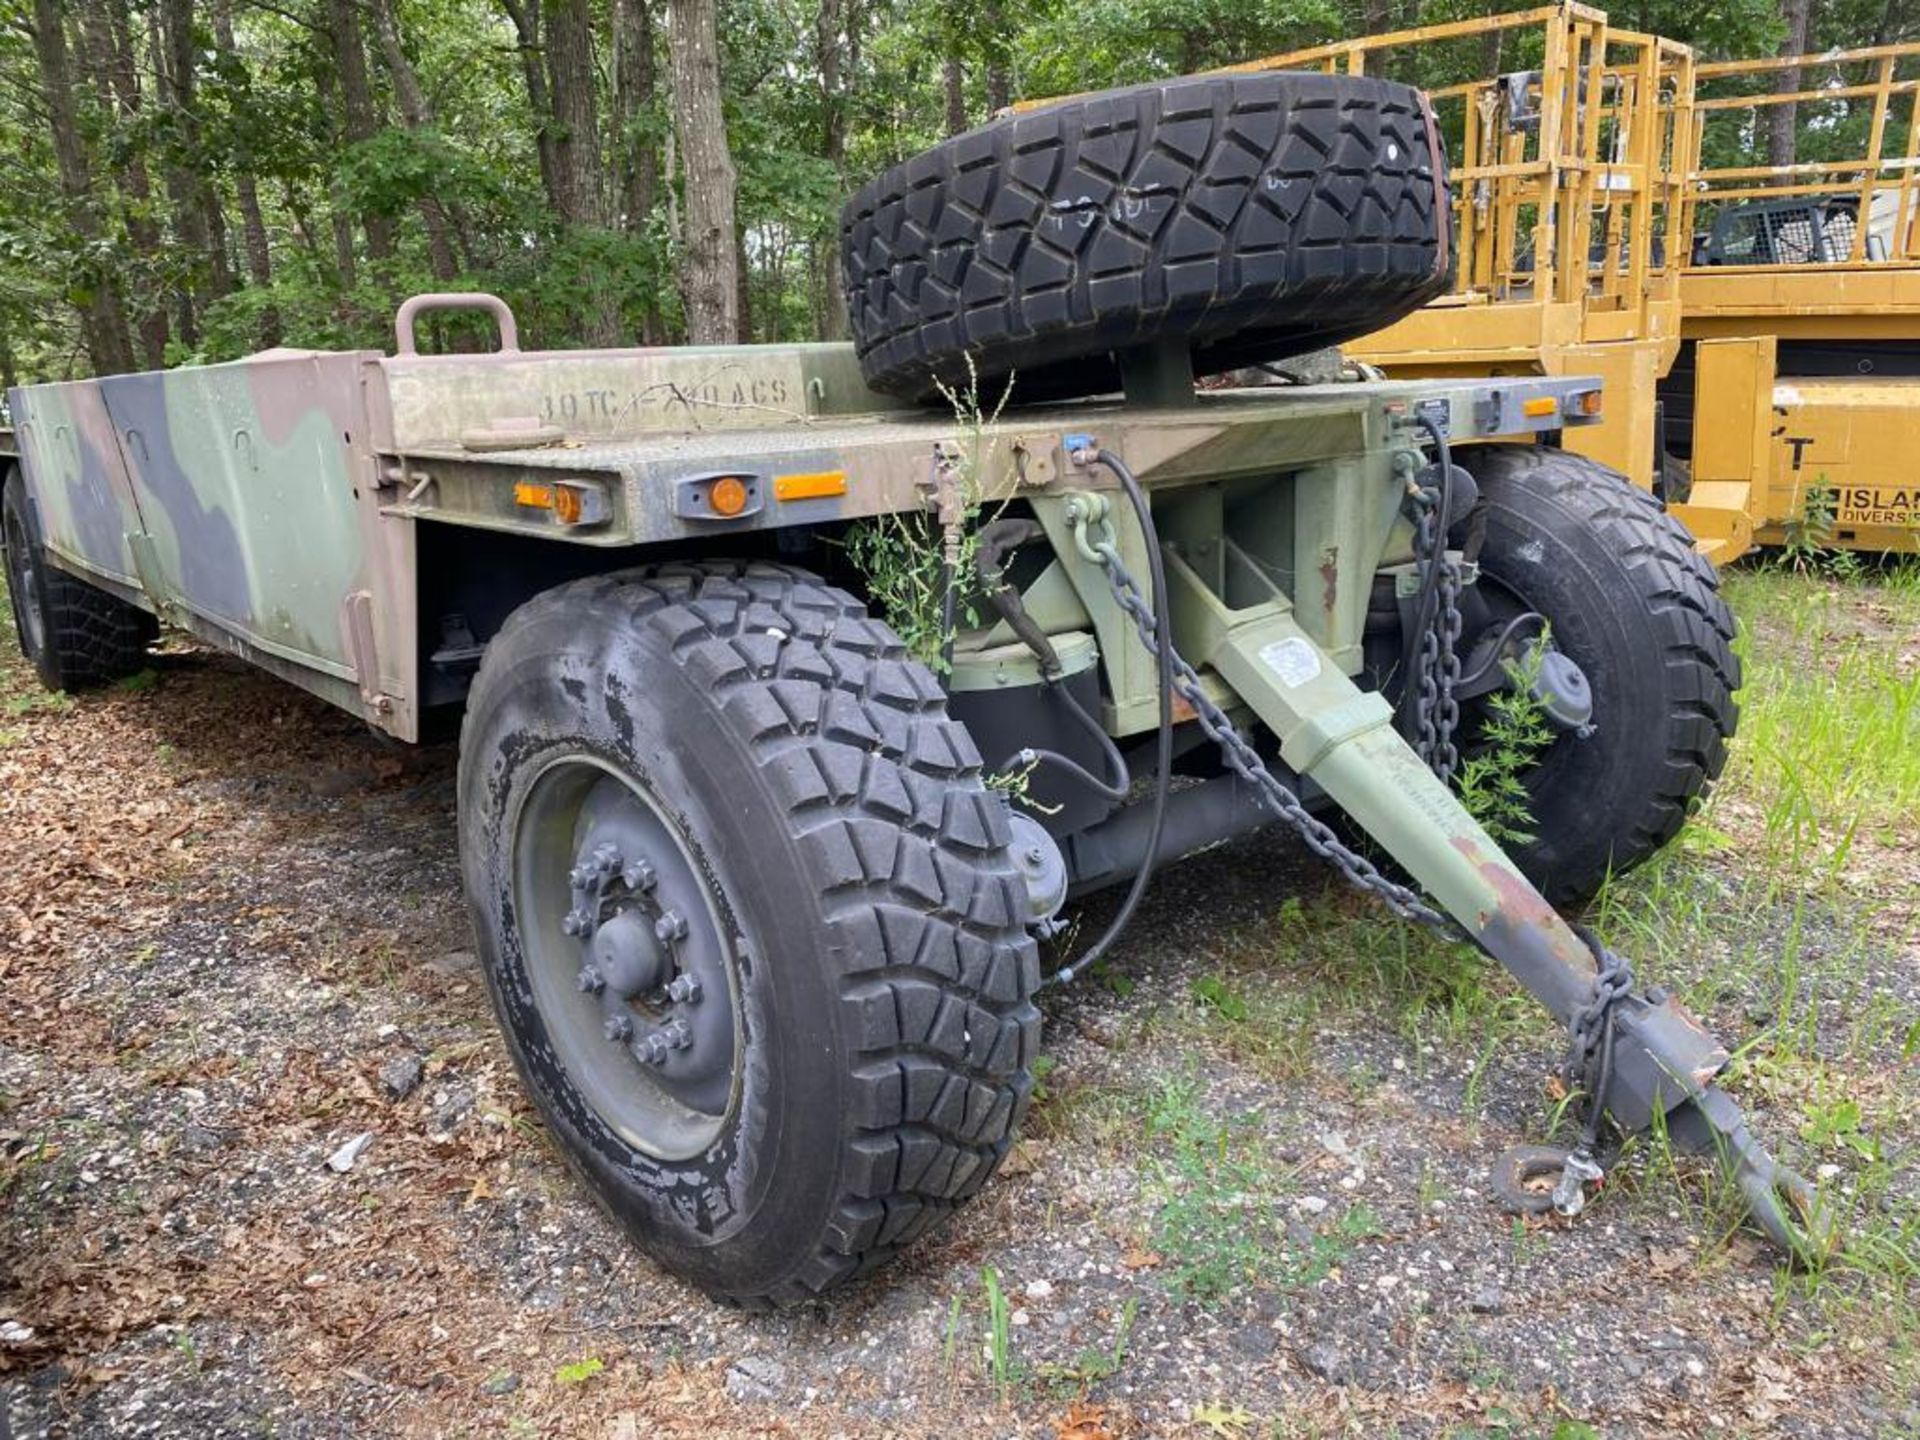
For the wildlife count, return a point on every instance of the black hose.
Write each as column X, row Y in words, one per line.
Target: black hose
column 1480, row 671
column 1115, row 789
column 1163, row 665
column 996, row 540
column 1073, row 770
column 1116, row 762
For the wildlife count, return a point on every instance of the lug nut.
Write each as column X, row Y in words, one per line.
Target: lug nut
column 670, row 926
column 591, row 981
column 579, row 878
column 684, row 989
column 675, row 1033
column 574, row 922
column 619, row 1029
column 640, row 876
column 606, row 859
column 653, row 1050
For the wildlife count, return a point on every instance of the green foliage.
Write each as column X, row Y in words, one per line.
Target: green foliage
column 1212, row 992
column 580, row 1371
column 1836, row 1123
column 1093, row 1364
column 999, row 1332
column 1216, row 1224
column 1514, row 732
column 903, row 557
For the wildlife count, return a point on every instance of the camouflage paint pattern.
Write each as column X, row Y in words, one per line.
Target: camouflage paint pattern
column 271, row 504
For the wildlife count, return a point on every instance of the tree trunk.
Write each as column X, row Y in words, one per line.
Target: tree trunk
column 743, row 333
column 711, row 283
column 246, row 187
column 636, row 84
column 635, row 94
column 525, row 16
column 999, row 47
column 103, row 316
column 109, row 44
column 356, row 96
column 9, row 370
column 578, row 191
column 416, row 114
column 1782, row 120
column 954, row 81
column 201, row 226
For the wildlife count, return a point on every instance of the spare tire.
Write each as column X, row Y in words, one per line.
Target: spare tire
column 1250, row 216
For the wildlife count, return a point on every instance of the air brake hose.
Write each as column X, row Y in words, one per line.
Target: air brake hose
column 997, row 539
column 1163, row 668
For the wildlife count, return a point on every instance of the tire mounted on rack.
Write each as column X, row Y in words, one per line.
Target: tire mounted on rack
column 1251, row 216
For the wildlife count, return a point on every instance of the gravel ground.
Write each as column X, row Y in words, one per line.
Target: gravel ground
column 233, row 944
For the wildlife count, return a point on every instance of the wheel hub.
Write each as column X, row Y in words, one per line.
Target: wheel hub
column 634, row 972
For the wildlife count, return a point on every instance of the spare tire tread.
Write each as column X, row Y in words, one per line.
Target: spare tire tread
column 1255, row 215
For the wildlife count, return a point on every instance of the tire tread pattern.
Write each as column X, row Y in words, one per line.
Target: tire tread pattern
column 1686, row 618
column 907, row 849
column 1258, row 215
column 92, row 637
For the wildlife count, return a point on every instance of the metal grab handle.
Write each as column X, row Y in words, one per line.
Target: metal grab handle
column 455, row 300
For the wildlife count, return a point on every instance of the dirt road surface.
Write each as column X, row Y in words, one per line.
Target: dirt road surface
column 1253, row 1199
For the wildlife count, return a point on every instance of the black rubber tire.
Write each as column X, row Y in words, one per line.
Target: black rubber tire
column 1633, row 603
column 885, row 973
column 1250, row 216
column 77, row 635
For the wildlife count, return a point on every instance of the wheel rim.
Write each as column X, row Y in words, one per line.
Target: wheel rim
column 628, row 957
column 24, row 581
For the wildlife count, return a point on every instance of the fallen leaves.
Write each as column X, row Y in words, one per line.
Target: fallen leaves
column 1083, row 1421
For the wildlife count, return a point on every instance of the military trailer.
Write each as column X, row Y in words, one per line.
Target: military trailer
column 760, row 887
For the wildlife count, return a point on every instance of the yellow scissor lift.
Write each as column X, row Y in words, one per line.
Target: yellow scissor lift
column 1801, row 358
column 1577, row 189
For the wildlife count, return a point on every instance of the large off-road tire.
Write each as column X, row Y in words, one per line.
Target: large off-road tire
column 72, row 633
column 1247, row 217
column 1632, row 603
column 815, row 827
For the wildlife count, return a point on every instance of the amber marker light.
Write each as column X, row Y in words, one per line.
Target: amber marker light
column 1539, row 405
column 728, row 495
column 533, row 497
column 1589, row 402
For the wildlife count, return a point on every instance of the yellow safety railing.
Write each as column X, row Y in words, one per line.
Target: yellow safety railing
column 1881, row 182
column 1567, row 170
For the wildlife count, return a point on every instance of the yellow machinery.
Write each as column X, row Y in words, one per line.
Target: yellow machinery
column 1758, row 328
column 1799, row 372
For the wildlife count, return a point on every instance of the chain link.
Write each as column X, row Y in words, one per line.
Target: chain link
column 1245, row 761
column 1437, row 675
column 1588, row 1026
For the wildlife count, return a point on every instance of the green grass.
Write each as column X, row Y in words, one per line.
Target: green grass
column 1777, row 916
column 1829, row 743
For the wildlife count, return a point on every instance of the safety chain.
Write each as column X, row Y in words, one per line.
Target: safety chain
column 1590, row 1026
column 1437, row 672
column 1245, row 761
column 1589, row 1067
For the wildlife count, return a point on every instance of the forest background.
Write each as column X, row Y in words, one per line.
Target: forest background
column 187, row 181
